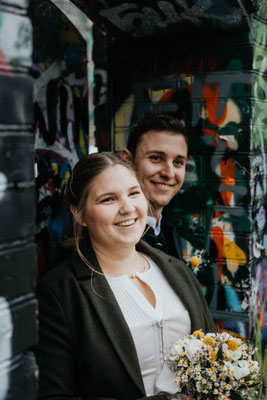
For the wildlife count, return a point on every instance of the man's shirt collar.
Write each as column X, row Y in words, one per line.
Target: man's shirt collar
column 151, row 221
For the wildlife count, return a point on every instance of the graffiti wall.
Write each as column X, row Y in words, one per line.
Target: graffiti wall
column 17, row 200
column 217, row 85
column 62, row 65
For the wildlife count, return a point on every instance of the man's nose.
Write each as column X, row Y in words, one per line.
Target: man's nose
column 168, row 170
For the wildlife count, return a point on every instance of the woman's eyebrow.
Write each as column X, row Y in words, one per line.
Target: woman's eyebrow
column 105, row 194
column 114, row 193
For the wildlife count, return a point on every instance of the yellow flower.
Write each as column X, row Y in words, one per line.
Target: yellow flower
column 198, row 334
column 232, row 345
column 208, row 340
column 195, row 261
column 213, row 355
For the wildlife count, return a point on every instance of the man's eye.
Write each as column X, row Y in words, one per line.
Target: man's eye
column 154, row 158
column 179, row 163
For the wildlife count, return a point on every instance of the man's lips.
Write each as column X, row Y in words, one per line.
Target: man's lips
column 162, row 185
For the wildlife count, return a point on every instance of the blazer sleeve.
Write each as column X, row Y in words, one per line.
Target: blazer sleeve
column 54, row 352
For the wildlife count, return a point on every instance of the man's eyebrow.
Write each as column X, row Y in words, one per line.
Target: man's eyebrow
column 161, row 153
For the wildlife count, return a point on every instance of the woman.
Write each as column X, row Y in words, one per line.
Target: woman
column 110, row 313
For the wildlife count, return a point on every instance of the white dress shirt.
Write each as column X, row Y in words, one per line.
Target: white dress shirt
column 154, row 330
column 156, row 225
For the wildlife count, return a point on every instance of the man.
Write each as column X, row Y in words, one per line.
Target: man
column 157, row 146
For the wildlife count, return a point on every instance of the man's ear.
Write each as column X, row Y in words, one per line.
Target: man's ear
column 77, row 218
column 127, row 155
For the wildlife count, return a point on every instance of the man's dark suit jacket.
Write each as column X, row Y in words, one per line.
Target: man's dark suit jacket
column 168, row 240
column 86, row 350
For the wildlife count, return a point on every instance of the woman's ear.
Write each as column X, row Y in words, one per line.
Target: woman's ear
column 127, row 155
column 76, row 216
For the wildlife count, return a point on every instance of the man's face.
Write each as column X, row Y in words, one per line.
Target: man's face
column 160, row 161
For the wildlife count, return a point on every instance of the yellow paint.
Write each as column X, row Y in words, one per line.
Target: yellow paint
column 82, row 143
column 123, row 122
column 233, row 254
column 54, row 167
column 155, row 95
column 66, row 178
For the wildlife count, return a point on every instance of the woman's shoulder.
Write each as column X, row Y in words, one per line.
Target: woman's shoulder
column 58, row 276
column 169, row 264
column 145, row 248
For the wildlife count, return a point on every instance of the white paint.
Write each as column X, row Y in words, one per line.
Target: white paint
column 6, row 330
column 257, row 249
column 16, row 38
column 3, row 185
column 81, row 22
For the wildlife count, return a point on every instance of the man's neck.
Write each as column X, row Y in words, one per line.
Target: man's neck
column 157, row 213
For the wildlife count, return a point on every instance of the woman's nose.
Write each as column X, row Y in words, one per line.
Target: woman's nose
column 126, row 207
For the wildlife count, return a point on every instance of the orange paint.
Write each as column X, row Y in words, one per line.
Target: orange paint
column 211, row 100
column 167, row 96
column 6, row 68
column 228, row 178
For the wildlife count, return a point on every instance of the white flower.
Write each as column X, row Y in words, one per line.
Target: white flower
column 231, row 355
column 240, row 368
column 192, row 347
column 177, row 348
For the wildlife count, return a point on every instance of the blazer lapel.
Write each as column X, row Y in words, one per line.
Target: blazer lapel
column 101, row 296
column 164, row 262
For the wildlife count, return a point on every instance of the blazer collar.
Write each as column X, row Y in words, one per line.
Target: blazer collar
column 96, row 287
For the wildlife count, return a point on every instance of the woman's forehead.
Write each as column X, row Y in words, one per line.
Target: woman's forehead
column 114, row 176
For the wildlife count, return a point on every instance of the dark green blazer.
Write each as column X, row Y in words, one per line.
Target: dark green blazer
column 85, row 348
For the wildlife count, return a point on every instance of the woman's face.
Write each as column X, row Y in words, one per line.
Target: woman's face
column 116, row 209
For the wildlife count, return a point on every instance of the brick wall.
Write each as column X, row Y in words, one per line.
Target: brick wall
column 17, row 200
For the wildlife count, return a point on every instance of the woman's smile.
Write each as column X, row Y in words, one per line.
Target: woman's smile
column 129, row 222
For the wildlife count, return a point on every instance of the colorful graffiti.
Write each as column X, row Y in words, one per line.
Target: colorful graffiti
column 220, row 211
column 61, row 99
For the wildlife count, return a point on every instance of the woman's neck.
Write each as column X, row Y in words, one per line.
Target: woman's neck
column 119, row 262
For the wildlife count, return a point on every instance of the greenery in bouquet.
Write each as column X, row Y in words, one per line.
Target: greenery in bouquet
column 215, row 366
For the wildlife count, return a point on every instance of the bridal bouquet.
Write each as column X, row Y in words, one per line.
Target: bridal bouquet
column 215, row 366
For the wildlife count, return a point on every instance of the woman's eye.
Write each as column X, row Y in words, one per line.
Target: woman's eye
column 135, row 193
column 107, row 200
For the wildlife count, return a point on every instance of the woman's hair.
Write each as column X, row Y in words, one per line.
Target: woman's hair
column 78, row 186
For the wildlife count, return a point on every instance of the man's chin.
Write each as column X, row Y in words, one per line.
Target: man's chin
column 159, row 204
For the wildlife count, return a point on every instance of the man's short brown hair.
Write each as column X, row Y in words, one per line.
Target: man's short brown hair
column 153, row 122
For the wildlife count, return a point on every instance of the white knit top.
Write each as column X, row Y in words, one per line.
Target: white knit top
column 154, row 330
